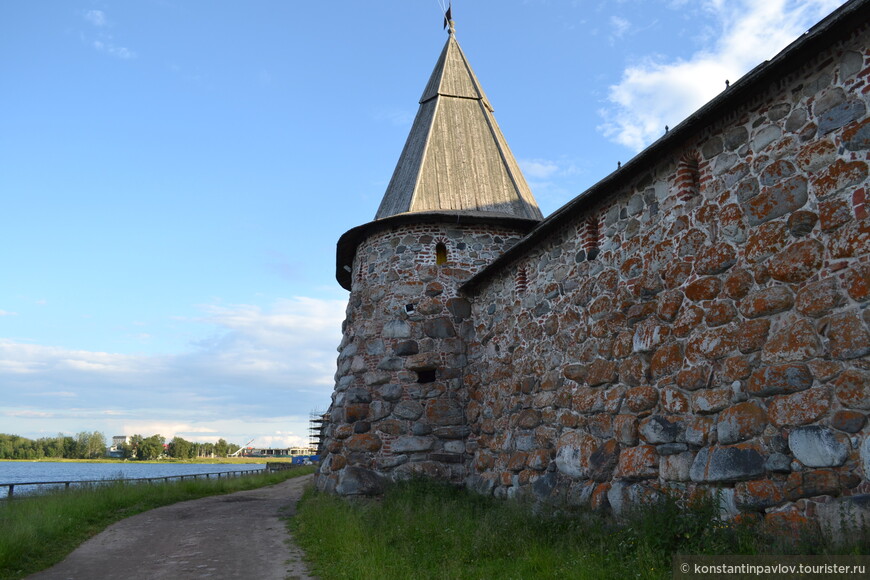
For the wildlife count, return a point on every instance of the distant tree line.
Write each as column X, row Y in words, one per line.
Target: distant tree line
column 154, row 447
column 84, row 445
column 87, row 445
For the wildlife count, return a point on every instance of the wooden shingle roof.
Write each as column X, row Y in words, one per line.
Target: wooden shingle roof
column 456, row 158
column 456, row 166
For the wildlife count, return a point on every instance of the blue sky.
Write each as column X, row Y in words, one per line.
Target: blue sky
column 174, row 176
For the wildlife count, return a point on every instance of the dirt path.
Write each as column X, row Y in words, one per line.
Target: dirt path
column 239, row 535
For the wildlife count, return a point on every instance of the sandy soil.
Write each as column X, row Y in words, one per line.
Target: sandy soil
column 239, row 535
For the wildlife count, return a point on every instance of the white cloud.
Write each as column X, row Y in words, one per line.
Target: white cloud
column 117, row 51
column 552, row 181
column 65, row 394
column 619, row 27
column 7, row 313
column 105, row 41
column 653, row 93
column 97, row 18
column 538, row 168
column 260, row 369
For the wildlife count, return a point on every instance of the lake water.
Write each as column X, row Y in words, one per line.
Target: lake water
column 32, row 471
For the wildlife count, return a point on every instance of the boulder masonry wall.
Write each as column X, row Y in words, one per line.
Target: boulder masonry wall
column 695, row 323
column 718, row 339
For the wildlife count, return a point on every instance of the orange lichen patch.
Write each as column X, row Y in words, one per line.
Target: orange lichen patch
column 767, row 301
column 625, row 429
column 666, row 360
column 789, row 522
column 343, row 431
column 838, row 175
column 712, row 344
column 848, row 421
column 797, row 262
column 765, row 240
column 674, row 401
column 337, row 462
column 698, row 429
column 517, row 461
column 779, row 379
column 752, row 334
column 738, row 284
column 847, row 336
column 800, row 408
column 833, row 213
column 819, row 298
column 740, row 422
column 736, row 368
column 598, row 500
column 856, row 132
column 586, row 400
column 715, row 259
column 693, row 378
column 675, row 273
column 601, row 372
column 852, row 389
column 356, row 412
column 812, row 483
column 796, row 342
column 689, row 318
column 703, row 289
column 857, row 282
column 708, row 401
column 719, row 313
column 815, row 152
column 850, row 240
column 483, row 461
column 637, row 463
column 363, row 442
column 758, row 494
column 641, row 399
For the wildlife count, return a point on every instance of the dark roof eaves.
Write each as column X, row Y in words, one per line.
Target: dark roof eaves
column 750, row 84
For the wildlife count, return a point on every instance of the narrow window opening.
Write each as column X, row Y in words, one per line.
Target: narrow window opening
column 688, row 178
column 360, row 273
column 590, row 238
column 409, row 308
column 440, row 253
column 426, row 376
column 695, row 175
column 522, row 280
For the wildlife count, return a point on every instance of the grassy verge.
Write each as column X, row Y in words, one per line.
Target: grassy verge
column 37, row 532
column 425, row 530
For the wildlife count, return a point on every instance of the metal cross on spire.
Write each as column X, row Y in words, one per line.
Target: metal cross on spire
column 448, row 20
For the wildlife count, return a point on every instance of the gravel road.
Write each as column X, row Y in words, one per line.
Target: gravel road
column 239, row 535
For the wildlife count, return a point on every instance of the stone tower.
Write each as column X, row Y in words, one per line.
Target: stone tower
column 456, row 202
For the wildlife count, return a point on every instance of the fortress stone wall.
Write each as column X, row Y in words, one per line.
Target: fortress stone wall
column 400, row 399
column 718, row 339
column 696, row 322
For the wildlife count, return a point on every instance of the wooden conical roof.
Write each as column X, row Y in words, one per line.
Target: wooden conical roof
column 456, row 159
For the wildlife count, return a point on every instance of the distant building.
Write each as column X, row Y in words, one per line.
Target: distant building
column 279, row 452
column 117, row 448
column 119, row 440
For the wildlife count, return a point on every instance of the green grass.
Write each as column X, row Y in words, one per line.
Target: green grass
column 425, row 530
column 37, row 532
